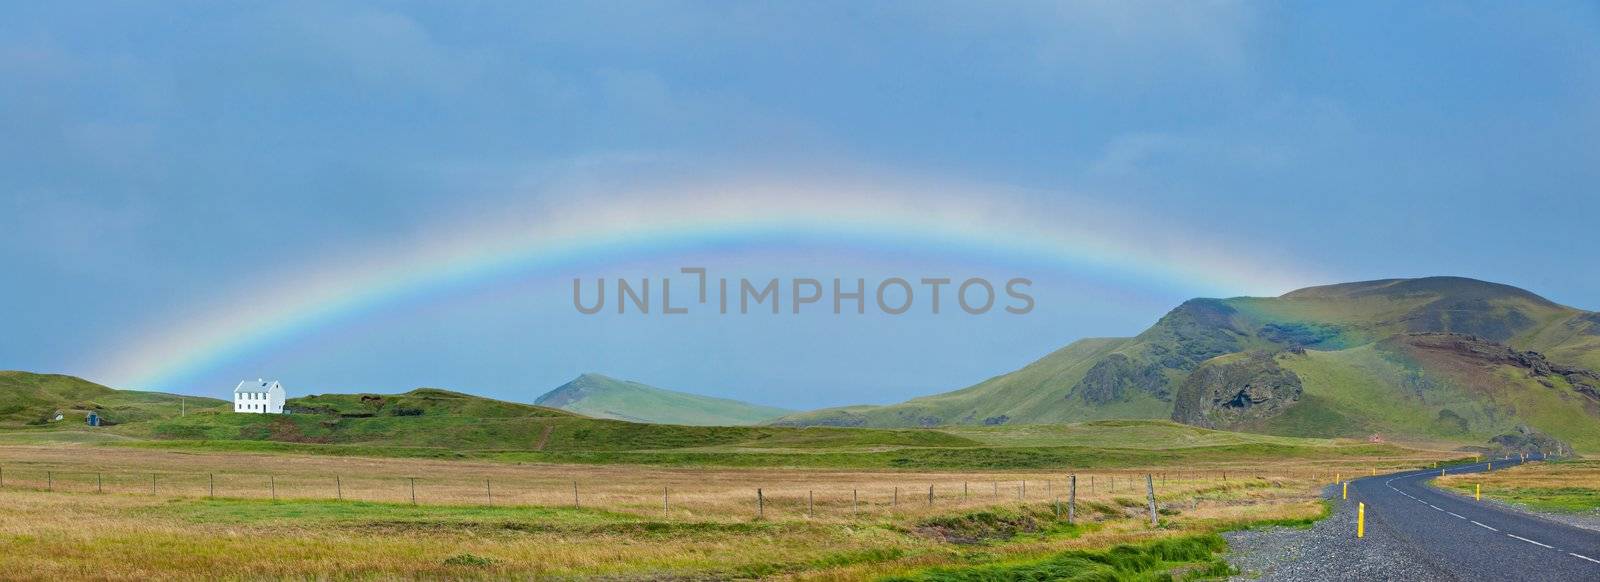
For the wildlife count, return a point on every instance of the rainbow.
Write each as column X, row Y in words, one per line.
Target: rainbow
column 596, row 230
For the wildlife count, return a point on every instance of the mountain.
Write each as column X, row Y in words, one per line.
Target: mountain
column 605, row 397
column 1436, row 358
column 29, row 399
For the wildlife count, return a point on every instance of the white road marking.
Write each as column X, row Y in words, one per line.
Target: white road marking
column 1531, row 541
column 1458, row 516
column 1583, row 557
column 1483, row 526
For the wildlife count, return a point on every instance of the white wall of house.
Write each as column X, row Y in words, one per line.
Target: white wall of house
column 259, row 397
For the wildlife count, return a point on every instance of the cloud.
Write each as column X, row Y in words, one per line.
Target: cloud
column 1108, row 45
column 369, row 46
column 1134, row 152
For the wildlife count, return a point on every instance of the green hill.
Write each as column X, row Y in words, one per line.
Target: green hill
column 604, row 397
column 429, row 422
column 1354, row 359
column 32, row 400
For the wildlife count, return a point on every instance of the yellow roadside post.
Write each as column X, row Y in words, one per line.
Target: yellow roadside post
column 1337, row 477
column 1361, row 520
column 1374, row 470
column 1346, row 489
column 1477, row 492
column 1491, row 465
column 1441, row 472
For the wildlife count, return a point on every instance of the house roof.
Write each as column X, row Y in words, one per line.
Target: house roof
column 257, row 386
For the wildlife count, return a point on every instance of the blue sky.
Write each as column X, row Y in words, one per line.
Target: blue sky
column 185, row 165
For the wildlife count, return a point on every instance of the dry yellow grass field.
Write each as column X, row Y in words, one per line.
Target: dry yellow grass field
column 78, row 511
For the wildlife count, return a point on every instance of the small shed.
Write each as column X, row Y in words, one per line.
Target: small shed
column 93, row 419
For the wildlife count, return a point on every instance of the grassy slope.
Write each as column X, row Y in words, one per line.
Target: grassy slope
column 438, row 423
column 1036, row 393
column 604, row 397
column 28, row 399
column 1373, row 390
column 1144, row 434
column 1352, row 388
column 583, row 440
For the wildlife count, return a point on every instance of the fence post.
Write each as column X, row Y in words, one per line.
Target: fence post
column 963, row 490
column 413, row 489
column 152, row 483
column 49, row 481
column 99, row 486
column 761, row 505
column 930, row 496
column 488, row 491
column 811, row 504
column 1024, row 490
column 1150, row 491
column 213, row 480
column 1091, row 484
column 338, row 488
column 575, row 495
column 855, row 500
column 1072, row 500
column 273, row 480
column 896, row 497
column 665, row 508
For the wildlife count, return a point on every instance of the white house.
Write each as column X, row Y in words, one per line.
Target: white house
column 260, row 396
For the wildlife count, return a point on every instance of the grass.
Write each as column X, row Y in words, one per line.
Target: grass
column 1147, row 434
column 1561, row 487
column 533, row 433
column 30, row 400
column 1196, row 556
column 953, row 458
column 823, row 524
column 601, row 396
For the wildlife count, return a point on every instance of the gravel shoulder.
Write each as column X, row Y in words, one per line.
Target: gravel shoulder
column 1329, row 550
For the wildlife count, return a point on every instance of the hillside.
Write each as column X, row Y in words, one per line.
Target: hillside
column 605, row 397
column 28, row 399
column 1337, row 360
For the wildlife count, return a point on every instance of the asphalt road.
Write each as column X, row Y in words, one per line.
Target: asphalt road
column 1472, row 540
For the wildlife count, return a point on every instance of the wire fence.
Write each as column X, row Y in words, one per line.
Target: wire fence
column 877, row 495
column 782, row 501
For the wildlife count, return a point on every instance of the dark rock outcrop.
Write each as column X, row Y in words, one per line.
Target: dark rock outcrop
column 1111, row 379
column 1298, row 335
column 1528, row 441
column 1196, row 331
column 1220, row 395
column 1582, row 381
